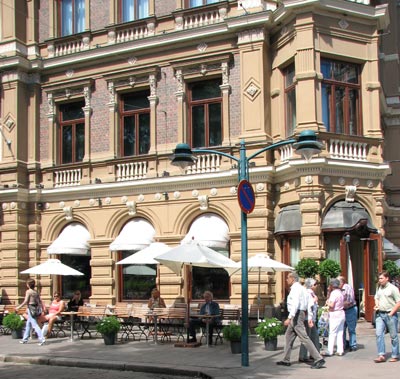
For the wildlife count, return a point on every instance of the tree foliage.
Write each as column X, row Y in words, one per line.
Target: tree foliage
column 307, row 268
column 329, row 268
column 391, row 268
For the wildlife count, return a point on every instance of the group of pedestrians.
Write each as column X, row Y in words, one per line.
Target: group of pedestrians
column 302, row 304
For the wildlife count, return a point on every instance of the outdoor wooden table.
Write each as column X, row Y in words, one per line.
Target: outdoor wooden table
column 155, row 316
column 71, row 314
column 208, row 319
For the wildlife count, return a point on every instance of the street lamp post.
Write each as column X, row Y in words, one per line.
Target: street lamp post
column 306, row 144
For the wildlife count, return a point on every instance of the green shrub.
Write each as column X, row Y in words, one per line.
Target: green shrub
column 13, row 321
column 232, row 332
column 108, row 325
column 307, row 268
column 391, row 268
column 329, row 268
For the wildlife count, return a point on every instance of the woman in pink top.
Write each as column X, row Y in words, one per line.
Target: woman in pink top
column 56, row 307
column 336, row 319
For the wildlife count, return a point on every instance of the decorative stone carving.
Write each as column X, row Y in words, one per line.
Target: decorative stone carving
column 132, row 60
column 195, row 193
column 350, row 193
column 141, row 198
column 92, row 202
column 177, row 194
column 203, row 200
column 342, row 181
column 152, row 83
column 124, row 199
column 233, row 190
column 213, row 192
column 107, row 200
column 260, row 187
column 69, row 73
column 77, row 203
column 131, row 207
column 157, row 196
column 202, row 47
column 61, row 204
column 68, row 213
column 308, row 179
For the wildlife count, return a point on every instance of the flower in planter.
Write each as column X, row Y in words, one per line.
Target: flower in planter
column 108, row 325
column 270, row 328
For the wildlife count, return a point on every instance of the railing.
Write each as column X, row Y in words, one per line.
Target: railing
column 348, row 150
column 192, row 19
column 205, row 163
column 70, row 46
column 131, row 171
column 131, row 32
column 286, row 152
column 67, row 178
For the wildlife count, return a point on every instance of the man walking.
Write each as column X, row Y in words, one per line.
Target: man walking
column 297, row 306
column 387, row 303
column 351, row 312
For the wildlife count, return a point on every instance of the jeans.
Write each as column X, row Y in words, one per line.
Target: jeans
column 32, row 322
column 350, row 324
column 390, row 323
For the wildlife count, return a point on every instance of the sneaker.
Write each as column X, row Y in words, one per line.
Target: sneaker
column 45, row 329
column 283, row 363
column 43, row 342
column 23, row 341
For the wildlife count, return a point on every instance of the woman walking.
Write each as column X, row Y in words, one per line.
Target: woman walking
column 32, row 298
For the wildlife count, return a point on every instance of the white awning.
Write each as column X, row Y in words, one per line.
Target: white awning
column 72, row 240
column 135, row 235
column 209, row 230
column 390, row 249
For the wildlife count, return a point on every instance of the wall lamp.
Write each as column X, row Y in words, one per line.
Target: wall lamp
column 166, row 196
column 97, row 180
column 306, row 144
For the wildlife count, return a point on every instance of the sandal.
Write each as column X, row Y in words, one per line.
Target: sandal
column 380, row 359
column 393, row 359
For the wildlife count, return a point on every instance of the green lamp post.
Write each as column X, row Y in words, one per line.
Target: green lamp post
column 306, row 145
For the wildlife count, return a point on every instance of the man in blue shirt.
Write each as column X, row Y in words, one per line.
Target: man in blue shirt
column 209, row 308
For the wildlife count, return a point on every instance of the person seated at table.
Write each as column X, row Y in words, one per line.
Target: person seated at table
column 156, row 301
column 56, row 307
column 75, row 302
column 209, row 308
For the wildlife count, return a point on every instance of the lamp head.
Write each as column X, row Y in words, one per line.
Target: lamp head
column 307, row 144
column 183, row 156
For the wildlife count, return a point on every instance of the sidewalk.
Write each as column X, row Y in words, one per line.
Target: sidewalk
column 215, row 362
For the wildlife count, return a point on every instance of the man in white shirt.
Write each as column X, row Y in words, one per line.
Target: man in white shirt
column 297, row 308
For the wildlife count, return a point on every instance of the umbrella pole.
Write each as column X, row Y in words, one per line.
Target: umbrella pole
column 188, row 291
column 258, row 297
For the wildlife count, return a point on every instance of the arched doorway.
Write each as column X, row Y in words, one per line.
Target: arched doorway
column 351, row 239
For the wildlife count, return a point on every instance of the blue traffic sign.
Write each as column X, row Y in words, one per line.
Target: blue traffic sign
column 246, row 196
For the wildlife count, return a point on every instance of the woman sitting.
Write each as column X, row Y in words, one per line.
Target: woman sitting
column 56, row 307
column 75, row 302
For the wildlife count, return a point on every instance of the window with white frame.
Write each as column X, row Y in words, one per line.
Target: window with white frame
column 71, row 17
column 131, row 10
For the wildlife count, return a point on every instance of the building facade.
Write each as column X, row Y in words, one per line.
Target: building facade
column 95, row 95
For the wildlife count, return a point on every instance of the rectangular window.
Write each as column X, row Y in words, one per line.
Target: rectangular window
column 290, row 100
column 132, row 10
column 71, row 17
column 205, row 113
column 72, row 132
column 199, row 3
column 137, row 281
column 341, row 97
column 135, row 121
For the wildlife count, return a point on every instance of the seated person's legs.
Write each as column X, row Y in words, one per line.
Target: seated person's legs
column 193, row 324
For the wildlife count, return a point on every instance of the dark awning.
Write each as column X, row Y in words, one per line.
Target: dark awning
column 288, row 219
column 347, row 216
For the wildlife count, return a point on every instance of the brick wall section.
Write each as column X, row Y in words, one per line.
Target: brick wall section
column 234, row 105
column 99, row 128
column 164, row 7
column 167, row 108
column 43, row 21
column 99, row 14
column 44, row 128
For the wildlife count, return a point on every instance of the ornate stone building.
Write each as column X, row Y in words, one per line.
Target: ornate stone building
column 95, row 95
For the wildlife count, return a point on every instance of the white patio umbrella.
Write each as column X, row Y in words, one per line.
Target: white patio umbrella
column 52, row 267
column 194, row 254
column 263, row 263
column 139, row 270
column 146, row 255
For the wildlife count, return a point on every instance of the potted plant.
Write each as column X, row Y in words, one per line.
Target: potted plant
column 233, row 333
column 109, row 327
column 15, row 323
column 269, row 330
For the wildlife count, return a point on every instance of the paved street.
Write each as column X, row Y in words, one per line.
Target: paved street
column 165, row 359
